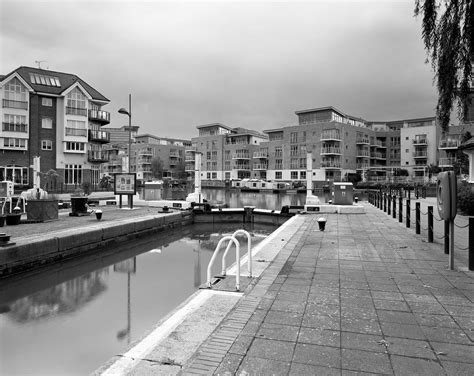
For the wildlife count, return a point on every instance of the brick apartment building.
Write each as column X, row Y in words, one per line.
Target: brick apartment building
column 55, row 116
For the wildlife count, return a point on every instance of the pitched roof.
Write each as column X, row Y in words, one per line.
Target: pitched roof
column 66, row 80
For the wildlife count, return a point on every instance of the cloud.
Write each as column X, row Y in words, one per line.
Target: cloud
column 248, row 64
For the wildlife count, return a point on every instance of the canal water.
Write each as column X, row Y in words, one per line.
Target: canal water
column 70, row 318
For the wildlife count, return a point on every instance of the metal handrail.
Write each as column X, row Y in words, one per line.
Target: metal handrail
column 249, row 252
column 216, row 251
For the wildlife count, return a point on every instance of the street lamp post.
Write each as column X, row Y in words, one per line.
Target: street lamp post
column 129, row 114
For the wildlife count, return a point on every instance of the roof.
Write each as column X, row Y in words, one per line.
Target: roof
column 320, row 109
column 214, row 125
column 66, row 81
column 243, row 131
column 468, row 145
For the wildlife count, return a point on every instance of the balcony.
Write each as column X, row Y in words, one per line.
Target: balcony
column 20, row 105
column 361, row 166
column 331, row 164
column 446, row 162
column 189, row 167
column 376, row 155
column 420, row 154
column 145, row 152
column 376, row 143
column 241, row 156
column 99, row 116
column 144, row 161
column 15, row 127
column 362, row 154
column 333, row 135
column 362, row 141
column 76, row 132
column 174, row 154
column 260, row 154
column 420, row 141
column 449, row 144
column 189, row 158
column 260, row 166
column 330, row 151
column 241, row 166
column 99, row 136
column 97, row 156
column 76, row 111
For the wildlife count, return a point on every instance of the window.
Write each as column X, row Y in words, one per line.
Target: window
column 293, row 137
column 303, row 137
column 214, row 175
column 278, row 163
column 293, row 150
column 294, row 175
column 74, row 147
column 277, row 174
column 227, row 155
column 14, row 143
column 76, row 128
column 47, row 102
column 73, row 174
column 278, row 151
column 47, row 123
column 14, row 123
column 15, row 91
column 76, row 103
column 302, row 162
column 294, row 162
column 208, row 155
column 302, row 175
column 208, row 175
column 46, row 145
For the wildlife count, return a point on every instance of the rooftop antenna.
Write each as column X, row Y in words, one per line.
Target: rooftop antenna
column 39, row 63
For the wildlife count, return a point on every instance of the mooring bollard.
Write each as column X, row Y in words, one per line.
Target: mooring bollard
column 322, row 223
column 389, row 203
column 400, row 209
column 408, row 213
column 384, row 202
column 471, row 244
column 394, row 211
column 417, row 218
column 430, row 224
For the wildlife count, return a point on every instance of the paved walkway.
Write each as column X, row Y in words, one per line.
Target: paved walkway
column 367, row 296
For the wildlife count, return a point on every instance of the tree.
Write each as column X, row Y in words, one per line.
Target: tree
column 180, row 170
column 447, row 31
column 157, row 168
column 461, row 162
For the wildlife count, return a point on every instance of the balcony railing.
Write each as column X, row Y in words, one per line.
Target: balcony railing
column 420, row 154
column 189, row 158
column 449, row 144
column 241, row 156
column 76, row 111
column 100, row 116
column 99, row 136
column 241, row 166
column 362, row 154
column 330, row 164
column 446, row 162
column 360, row 166
column 378, row 155
column 330, row 150
column 260, row 154
column 174, row 154
column 76, row 132
column 14, row 127
column 363, row 140
column 420, row 141
column 8, row 103
column 260, row 166
column 330, row 135
column 97, row 156
column 144, row 161
column 145, row 152
column 376, row 143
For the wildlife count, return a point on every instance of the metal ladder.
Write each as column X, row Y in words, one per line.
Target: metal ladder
column 232, row 240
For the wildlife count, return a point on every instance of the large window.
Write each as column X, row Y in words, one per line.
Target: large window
column 14, row 123
column 47, row 123
column 76, row 103
column 74, row 147
column 293, row 137
column 293, row 150
column 76, row 128
column 73, row 174
column 16, row 174
column 294, row 175
column 278, row 151
column 46, row 145
column 14, row 143
column 47, row 102
column 278, row 174
column 15, row 91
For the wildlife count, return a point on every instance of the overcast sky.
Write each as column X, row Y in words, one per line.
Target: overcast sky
column 241, row 63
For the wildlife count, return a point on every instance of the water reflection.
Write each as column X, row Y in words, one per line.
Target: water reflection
column 64, row 298
column 85, row 311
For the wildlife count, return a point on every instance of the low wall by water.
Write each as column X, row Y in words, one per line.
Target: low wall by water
column 76, row 242
column 242, row 215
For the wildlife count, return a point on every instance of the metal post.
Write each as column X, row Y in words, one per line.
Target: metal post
column 400, row 209
column 408, row 213
column 451, row 251
column 471, row 244
column 389, row 203
column 446, row 237
column 384, row 202
column 417, row 218
column 394, row 211
column 430, row 224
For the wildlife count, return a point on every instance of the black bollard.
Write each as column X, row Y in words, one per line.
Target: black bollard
column 394, row 211
column 400, row 209
column 446, row 237
column 408, row 213
column 471, row 244
column 417, row 217
column 430, row 224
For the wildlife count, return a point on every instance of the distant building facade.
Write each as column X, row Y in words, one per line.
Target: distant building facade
column 55, row 116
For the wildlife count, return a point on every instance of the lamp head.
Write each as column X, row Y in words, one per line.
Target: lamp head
column 124, row 111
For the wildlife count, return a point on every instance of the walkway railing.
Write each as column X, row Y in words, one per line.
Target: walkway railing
column 388, row 203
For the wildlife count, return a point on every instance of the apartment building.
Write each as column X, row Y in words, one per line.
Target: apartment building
column 340, row 145
column 227, row 153
column 55, row 116
column 170, row 152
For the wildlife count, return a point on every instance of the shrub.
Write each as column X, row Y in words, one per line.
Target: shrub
column 465, row 198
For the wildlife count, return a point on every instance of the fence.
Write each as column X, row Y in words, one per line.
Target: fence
column 397, row 204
